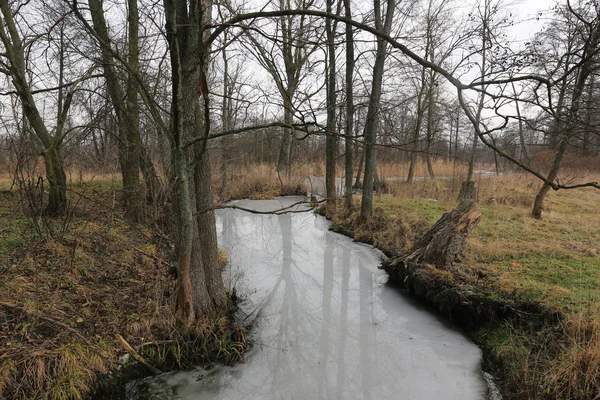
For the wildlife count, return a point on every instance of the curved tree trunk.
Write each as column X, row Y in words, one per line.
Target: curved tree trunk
column 14, row 53
column 565, row 130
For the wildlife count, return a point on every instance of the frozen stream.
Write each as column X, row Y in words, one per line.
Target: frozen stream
column 326, row 324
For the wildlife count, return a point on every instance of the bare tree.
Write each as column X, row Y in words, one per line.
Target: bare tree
column 14, row 65
column 293, row 43
column 565, row 126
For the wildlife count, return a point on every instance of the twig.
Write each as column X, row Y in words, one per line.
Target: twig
column 48, row 319
column 137, row 356
column 284, row 210
column 154, row 256
column 158, row 343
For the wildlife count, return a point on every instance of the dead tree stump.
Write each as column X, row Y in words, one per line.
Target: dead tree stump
column 468, row 191
column 442, row 245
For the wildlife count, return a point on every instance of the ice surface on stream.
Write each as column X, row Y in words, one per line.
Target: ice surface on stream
column 327, row 326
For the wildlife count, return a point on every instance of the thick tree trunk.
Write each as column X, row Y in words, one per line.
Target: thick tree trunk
column 57, row 182
column 184, row 305
column 132, row 189
column 185, row 298
column 207, row 230
column 207, row 237
column 197, row 244
column 468, row 191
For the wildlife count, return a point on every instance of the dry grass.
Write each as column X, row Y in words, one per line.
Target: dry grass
column 259, row 182
column 5, row 181
column 556, row 362
column 67, row 293
column 513, row 258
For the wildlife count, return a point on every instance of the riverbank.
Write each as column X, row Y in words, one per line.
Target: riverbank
column 82, row 293
column 527, row 290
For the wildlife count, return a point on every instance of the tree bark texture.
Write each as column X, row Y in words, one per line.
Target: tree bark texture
column 331, row 138
column 442, row 245
column 349, row 129
column 372, row 124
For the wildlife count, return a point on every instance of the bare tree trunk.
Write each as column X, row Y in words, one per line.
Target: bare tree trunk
column 538, row 204
column 126, row 108
column 57, row 181
column 189, row 59
column 203, row 182
column 185, row 221
column 349, row 109
column 521, row 129
column 417, row 129
column 207, row 236
column 361, row 160
column 372, row 124
column 283, row 163
column 151, row 179
column 589, row 113
column 132, row 189
column 430, row 126
column 472, row 158
column 331, row 138
column 225, row 117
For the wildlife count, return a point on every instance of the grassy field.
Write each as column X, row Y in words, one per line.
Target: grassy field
column 514, row 259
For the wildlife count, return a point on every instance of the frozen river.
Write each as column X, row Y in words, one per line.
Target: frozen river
column 325, row 324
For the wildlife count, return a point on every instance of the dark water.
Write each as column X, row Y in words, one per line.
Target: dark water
column 326, row 325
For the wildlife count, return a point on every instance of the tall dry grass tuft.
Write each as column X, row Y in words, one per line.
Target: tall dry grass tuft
column 558, row 362
column 258, row 182
column 66, row 372
column 575, row 372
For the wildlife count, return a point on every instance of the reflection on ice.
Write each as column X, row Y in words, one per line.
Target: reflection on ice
column 325, row 324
